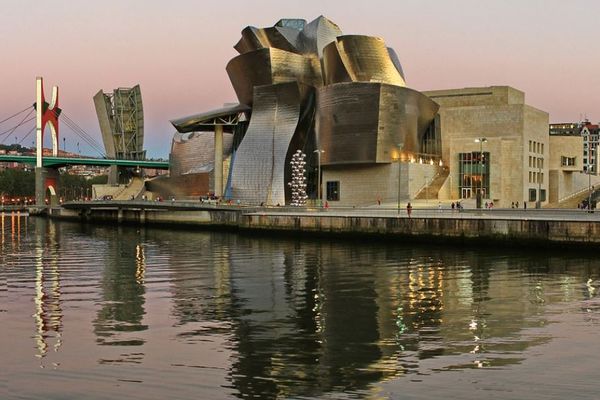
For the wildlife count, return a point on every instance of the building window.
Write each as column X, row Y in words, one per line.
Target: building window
column 333, row 191
column 530, row 146
column 532, row 194
column 474, row 174
column 567, row 161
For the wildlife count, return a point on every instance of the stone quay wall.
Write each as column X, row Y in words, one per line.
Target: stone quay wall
column 512, row 231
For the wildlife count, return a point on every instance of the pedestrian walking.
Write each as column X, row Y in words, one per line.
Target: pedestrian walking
column 453, row 205
column 439, row 206
column 408, row 209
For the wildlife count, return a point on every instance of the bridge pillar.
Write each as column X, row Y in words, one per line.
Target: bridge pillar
column 113, row 175
column 218, row 168
column 46, row 179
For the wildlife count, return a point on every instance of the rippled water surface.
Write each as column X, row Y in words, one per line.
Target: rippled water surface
column 100, row 312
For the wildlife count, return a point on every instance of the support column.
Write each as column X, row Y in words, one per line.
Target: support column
column 46, row 178
column 113, row 175
column 218, row 170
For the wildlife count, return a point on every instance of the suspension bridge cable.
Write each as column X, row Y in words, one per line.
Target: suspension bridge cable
column 86, row 139
column 15, row 127
column 82, row 134
column 23, row 121
column 91, row 143
column 27, row 134
column 14, row 115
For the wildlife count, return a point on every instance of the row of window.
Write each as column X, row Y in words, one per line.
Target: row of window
column 536, row 177
column 536, row 162
column 567, row 161
column 533, row 195
column 536, row 147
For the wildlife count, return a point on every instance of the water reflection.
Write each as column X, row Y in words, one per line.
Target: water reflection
column 121, row 311
column 48, row 314
column 284, row 318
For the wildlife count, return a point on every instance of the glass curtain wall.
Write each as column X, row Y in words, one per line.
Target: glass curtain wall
column 474, row 174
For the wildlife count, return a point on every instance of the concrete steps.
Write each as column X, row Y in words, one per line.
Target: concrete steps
column 134, row 189
column 431, row 191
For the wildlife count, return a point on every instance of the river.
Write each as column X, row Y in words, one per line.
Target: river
column 103, row 312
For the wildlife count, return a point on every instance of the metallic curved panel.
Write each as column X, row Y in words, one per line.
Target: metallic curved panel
column 364, row 59
column 194, row 152
column 367, row 122
column 271, row 66
column 318, row 34
column 261, row 38
column 396, row 62
column 260, row 166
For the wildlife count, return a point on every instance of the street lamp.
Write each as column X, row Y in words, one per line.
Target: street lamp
column 319, row 191
column 538, row 203
column 481, row 141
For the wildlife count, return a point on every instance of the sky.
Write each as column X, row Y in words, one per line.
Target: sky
column 177, row 51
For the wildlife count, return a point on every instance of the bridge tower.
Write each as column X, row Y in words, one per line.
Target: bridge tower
column 46, row 114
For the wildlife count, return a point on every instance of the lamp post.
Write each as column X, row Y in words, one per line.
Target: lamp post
column 538, row 203
column 481, row 141
column 319, row 191
column 589, row 171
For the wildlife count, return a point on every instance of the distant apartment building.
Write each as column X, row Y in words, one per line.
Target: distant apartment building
column 591, row 137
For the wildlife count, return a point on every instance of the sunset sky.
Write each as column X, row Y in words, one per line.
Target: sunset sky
column 177, row 51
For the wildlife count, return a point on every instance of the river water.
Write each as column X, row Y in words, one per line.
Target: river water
column 102, row 312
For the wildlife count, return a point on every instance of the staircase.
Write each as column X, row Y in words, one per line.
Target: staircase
column 135, row 189
column 431, row 191
column 574, row 201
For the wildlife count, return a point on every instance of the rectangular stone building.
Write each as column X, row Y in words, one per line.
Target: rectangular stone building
column 493, row 143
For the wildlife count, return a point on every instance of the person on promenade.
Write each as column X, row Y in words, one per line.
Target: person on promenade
column 517, row 204
column 439, row 206
column 408, row 209
column 378, row 200
column 525, row 205
column 453, row 205
column 512, row 205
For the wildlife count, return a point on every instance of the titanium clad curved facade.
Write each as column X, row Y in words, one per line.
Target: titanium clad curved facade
column 306, row 86
column 318, row 34
column 271, row 66
column 282, row 38
column 193, row 153
column 366, row 122
column 262, row 159
column 360, row 59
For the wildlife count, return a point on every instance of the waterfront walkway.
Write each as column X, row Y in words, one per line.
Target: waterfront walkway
column 420, row 211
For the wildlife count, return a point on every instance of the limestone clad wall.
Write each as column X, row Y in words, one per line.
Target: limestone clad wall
column 363, row 185
column 499, row 114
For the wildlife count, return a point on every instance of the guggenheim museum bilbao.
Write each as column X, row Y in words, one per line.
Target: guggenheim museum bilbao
column 343, row 100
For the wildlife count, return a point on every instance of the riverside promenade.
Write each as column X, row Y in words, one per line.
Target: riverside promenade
column 511, row 226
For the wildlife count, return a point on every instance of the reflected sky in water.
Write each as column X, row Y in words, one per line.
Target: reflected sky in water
column 100, row 312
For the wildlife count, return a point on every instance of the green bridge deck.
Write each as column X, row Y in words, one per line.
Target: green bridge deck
column 57, row 162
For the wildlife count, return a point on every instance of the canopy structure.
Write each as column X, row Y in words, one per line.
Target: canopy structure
column 227, row 117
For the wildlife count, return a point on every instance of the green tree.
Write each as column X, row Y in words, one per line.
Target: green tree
column 17, row 183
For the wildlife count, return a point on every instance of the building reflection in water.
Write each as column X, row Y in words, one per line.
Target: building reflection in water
column 120, row 317
column 311, row 318
column 48, row 315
